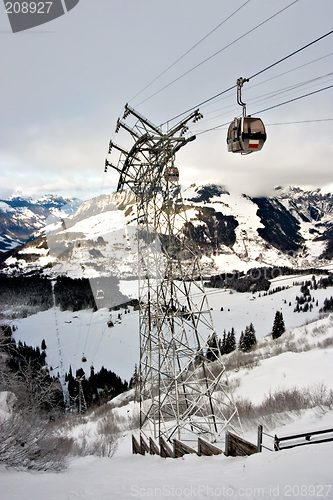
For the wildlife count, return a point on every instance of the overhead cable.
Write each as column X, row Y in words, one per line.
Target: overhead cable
column 291, row 70
column 271, row 107
column 190, row 50
column 272, row 124
column 216, row 53
column 291, row 88
column 294, row 99
column 290, row 55
column 274, row 93
column 300, row 121
column 251, row 77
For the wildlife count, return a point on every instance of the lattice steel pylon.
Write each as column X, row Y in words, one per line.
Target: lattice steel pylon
column 183, row 388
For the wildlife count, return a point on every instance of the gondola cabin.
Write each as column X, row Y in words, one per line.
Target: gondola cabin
column 172, row 174
column 84, row 359
column 100, row 295
column 246, row 135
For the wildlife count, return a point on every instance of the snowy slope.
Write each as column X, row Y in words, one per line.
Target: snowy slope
column 239, row 310
column 304, row 472
column 85, row 332
column 301, row 358
column 298, row 473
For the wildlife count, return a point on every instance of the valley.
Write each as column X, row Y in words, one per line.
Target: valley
column 77, row 301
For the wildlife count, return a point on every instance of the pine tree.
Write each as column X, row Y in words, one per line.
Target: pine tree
column 213, row 348
column 252, row 336
column 248, row 340
column 278, row 325
column 134, row 379
column 241, row 340
column 230, row 344
column 223, row 343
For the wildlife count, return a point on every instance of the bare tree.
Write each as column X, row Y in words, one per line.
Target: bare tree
column 25, row 440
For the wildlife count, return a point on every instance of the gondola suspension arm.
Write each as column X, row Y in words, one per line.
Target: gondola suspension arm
column 240, row 83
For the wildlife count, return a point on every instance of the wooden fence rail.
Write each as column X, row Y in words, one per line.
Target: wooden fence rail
column 238, row 447
column 234, row 445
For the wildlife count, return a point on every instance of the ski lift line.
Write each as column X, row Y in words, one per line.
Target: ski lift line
column 189, row 50
column 251, row 77
column 99, row 344
column 271, row 107
column 256, row 100
column 290, row 90
column 88, row 331
column 216, row 53
column 279, row 75
column 290, row 70
column 278, row 93
column 295, row 99
column 283, row 90
column 285, row 123
column 272, row 94
column 79, row 335
column 61, row 359
column 275, row 77
column 292, row 54
column 300, row 121
column 260, row 83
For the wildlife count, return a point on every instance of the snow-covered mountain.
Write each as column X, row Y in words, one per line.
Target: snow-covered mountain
column 20, row 217
column 292, row 228
column 233, row 232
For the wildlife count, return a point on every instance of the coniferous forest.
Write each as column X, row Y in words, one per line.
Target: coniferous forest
column 31, row 294
column 98, row 388
column 26, row 367
column 34, row 293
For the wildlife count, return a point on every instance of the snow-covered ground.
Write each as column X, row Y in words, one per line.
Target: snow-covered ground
column 117, row 349
column 303, row 472
column 239, row 310
column 84, row 333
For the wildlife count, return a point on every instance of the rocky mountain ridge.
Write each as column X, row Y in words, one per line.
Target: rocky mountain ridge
column 232, row 232
column 20, row 217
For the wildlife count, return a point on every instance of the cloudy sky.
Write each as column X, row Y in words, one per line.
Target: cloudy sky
column 64, row 84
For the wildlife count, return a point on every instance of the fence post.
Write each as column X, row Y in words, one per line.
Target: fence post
column 259, row 445
column 226, row 451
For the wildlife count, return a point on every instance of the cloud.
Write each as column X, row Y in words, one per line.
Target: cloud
column 63, row 91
